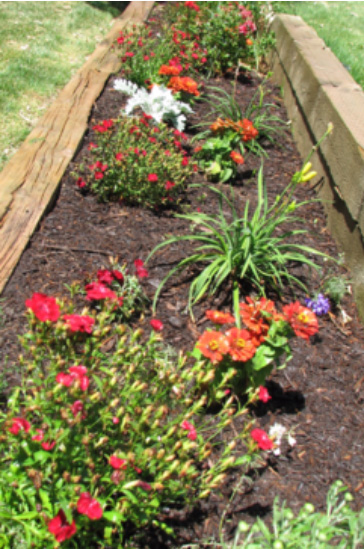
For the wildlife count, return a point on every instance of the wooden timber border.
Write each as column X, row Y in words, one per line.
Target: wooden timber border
column 30, row 181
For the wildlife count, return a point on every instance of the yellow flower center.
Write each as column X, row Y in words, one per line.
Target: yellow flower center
column 303, row 317
column 213, row 345
column 241, row 343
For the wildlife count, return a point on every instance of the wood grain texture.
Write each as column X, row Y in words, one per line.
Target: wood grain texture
column 30, row 180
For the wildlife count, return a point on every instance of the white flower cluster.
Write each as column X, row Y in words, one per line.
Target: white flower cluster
column 158, row 103
column 276, row 432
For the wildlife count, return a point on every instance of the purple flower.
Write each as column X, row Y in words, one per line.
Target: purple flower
column 320, row 305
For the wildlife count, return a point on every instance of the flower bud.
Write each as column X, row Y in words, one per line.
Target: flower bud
column 161, row 454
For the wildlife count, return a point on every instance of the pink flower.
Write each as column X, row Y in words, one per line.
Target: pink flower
column 81, row 184
column 60, row 528
column 39, row 436
column 187, row 426
column 115, row 420
column 144, row 485
column 104, row 276
column 119, row 156
column 156, row 324
column 19, row 424
column 44, row 307
column 88, row 506
column 263, row 440
column 48, row 445
column 264, row 396
column 117, row 463
column 169, row 185
column 77, row 408
column 77, row 374
column 97, row 291
column 79, row 323
column 152, row 177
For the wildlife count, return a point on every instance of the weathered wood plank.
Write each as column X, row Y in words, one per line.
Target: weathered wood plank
column 31, row 178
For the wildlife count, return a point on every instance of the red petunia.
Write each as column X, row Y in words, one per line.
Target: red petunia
column 156, row 324
column 19, row 424
column 302, row 320
column 213, row 345
column 264, row 396
column 88, row 506
column 44, row 307
column 97, row 290
column 117, row 463
column 263, row 440
column 60, row 528
column 79, row 323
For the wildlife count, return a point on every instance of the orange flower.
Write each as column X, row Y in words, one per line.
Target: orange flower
column 213, row 345
column 218, row 125
column 249, row 42
column 257, row 316
column 169, row 70
column 236, row 157
column 241, row 347
column 218, row 317
column 303, row 321
column 248, row 130
column 183, row 83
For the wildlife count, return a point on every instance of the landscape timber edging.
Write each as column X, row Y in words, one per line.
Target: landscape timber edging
column 317, row 90
column 30, row 180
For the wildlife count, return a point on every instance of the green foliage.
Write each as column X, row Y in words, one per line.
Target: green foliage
column 215, row 157
column 336, row 287
column 112, row 415
column 137, row 162
column 339, row 526
column 249, row 249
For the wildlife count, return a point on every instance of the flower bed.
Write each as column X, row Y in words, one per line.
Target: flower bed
column 112, row 432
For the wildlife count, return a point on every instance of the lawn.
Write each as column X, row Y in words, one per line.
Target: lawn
column 340, row 25
column 42, row 45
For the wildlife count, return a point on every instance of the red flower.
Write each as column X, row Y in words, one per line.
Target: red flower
column 79, row 323
column 257, row 316
column 146, row 57
column 192, row 5
column 218, row 317
column 187, row 426
column 104, row 276
column 115, row 420
column 185, row 161
column 39, row 436
column 19, row 424
column 236, row 157
column 119, row 156
column 77, row 408
column 169, row 185
column 241, row 347
column 141, row 272
column 88, row 506
column 156, row 324
column 144, row 485
column 60, row 528
column 213, row 345
column 264, row 396
column 263, row 440
column 47, row 445
column 78, row 374
column 302, row 320
column 98, row 175
column 96, row 291
column 152, row 177
column 92, row 146
column 44, row 307
column 152, row 139
column 117, row 463
column 81, row 183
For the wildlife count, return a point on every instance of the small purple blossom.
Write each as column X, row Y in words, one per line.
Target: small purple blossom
column 320, row 306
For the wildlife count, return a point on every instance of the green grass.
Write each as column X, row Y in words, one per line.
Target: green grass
column 42, row 45
column 340, row 25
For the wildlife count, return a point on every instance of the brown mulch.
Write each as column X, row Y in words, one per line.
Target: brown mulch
column 320, row 393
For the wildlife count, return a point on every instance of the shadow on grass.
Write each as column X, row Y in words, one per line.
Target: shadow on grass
column 114, row 8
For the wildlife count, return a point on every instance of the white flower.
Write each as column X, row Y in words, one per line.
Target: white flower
column 159, row 103
column 276, row 432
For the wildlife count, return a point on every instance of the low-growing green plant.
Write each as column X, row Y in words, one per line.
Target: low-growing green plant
column 339, row 526
column 248, row 248
column 107, row 426
column 136, row 161
column 336, row 287
column 217, row 157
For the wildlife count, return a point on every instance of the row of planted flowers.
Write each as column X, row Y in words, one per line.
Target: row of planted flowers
column 111, row 425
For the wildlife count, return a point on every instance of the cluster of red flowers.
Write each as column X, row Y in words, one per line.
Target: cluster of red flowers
column 241, row 344
column 187, row 426
column 184, row 84
column 104, row 126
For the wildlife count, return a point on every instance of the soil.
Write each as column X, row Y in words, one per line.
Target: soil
column 320, row 393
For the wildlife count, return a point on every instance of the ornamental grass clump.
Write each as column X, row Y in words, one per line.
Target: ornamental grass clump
column 136, row 161
column 249, row 249
column 108, row 426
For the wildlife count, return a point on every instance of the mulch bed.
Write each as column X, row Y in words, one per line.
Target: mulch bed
column 320, row 392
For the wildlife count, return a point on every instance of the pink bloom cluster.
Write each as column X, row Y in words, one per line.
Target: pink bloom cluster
column 187, row 426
